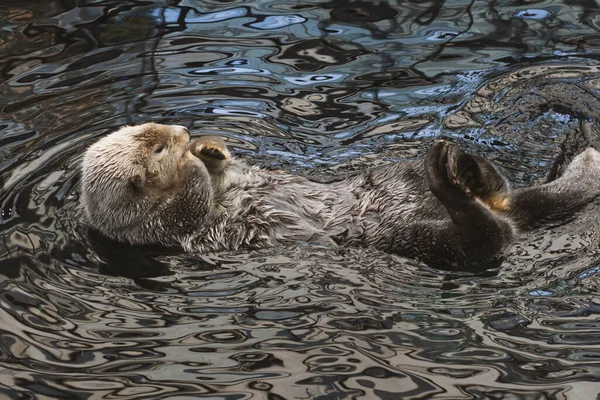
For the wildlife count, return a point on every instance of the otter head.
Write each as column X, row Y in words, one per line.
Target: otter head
column 146, row 156
column 134, row 161
column 160, row 151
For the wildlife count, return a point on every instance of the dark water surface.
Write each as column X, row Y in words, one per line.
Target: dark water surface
column 323, row 89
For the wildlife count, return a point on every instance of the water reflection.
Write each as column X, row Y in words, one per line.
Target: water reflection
column 322, row 89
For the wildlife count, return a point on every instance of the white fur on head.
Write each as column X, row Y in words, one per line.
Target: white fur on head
column 107, row 168
column 117, row 170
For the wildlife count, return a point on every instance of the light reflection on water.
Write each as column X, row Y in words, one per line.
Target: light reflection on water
column 319, row 88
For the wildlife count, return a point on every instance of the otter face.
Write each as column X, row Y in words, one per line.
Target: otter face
column 142, row 185
column 146, row 158
column 161, row 151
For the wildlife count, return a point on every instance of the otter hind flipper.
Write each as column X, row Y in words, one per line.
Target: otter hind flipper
column 441, row 166
column 474, row 233
column 478, row 177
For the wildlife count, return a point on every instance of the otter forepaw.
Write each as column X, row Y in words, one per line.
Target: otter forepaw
column 210, row 147
column 212, row 151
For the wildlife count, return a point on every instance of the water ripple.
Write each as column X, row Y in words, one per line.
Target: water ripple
column 321, row 89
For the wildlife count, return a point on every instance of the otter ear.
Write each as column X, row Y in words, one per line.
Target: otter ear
column 136, row 182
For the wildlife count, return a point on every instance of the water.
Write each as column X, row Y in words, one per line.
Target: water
column 321, row 89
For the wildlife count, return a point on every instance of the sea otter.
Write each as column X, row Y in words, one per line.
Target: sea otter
column 148, row 184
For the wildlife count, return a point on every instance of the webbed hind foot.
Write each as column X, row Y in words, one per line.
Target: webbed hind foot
column 478, row 177
column 441, row 172
column 455, row 173
column 475, row 233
